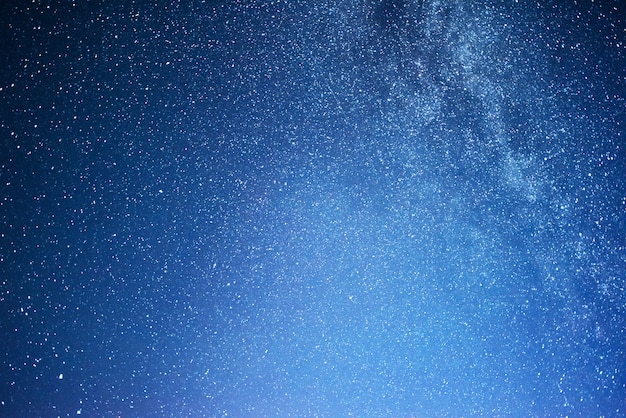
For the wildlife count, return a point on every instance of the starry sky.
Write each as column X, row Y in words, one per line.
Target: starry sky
column 377, row 208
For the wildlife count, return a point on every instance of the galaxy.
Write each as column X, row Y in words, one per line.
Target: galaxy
column 295, row 208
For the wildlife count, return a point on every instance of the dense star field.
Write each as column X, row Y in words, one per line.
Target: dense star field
column 297, row 208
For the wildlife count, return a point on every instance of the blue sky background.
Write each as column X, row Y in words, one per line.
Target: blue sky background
column 296, row 208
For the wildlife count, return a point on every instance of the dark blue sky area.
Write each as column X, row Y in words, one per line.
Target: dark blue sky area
column 300, row 208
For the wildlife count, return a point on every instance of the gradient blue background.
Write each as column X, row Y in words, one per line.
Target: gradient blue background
column 313, row 208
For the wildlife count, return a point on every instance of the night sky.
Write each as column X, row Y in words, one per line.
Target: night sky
column 369, row 208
